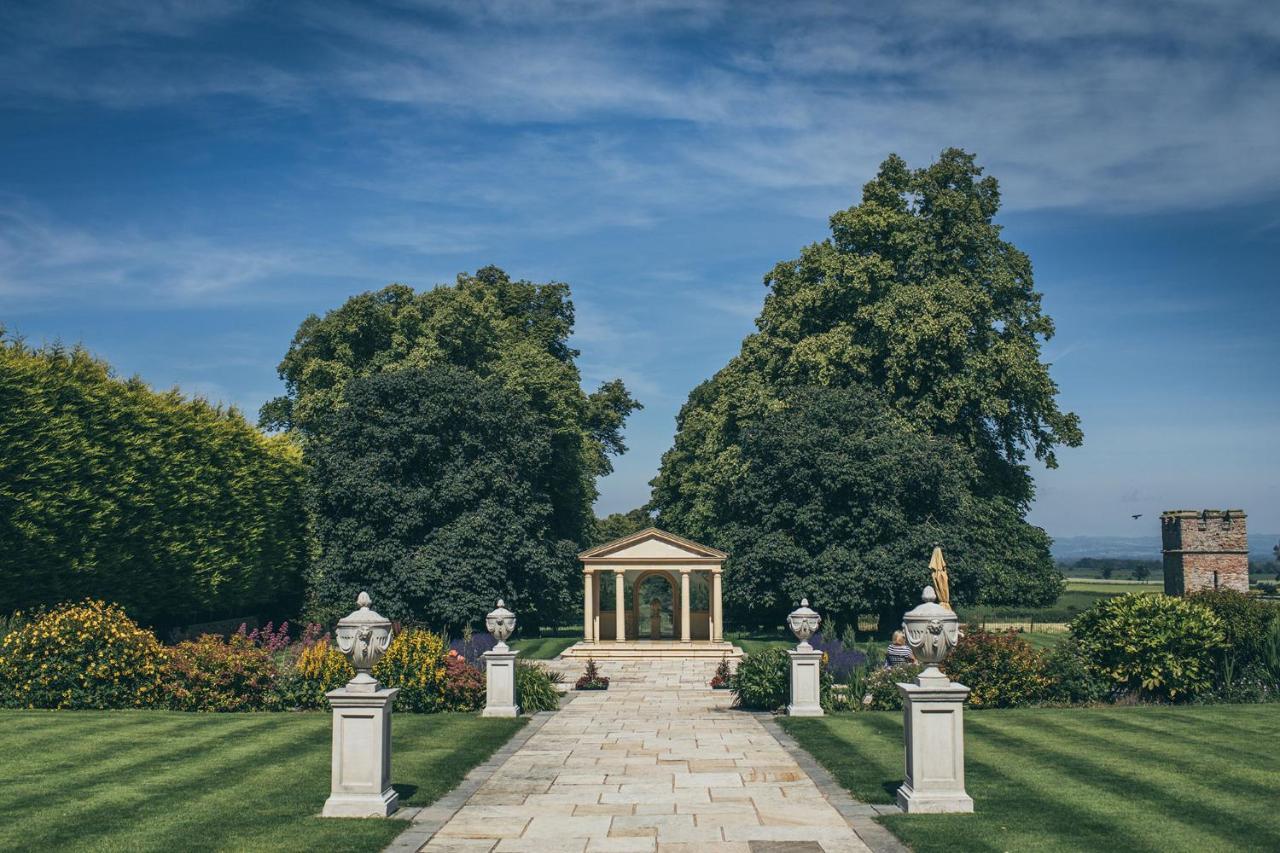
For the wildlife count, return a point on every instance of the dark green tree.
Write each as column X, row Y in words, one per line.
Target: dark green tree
column 841, row 499
column 513, row 332
column 916, row 296
column 431, row 488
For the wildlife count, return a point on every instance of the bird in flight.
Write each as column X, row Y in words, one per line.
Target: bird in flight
column 1138, row 516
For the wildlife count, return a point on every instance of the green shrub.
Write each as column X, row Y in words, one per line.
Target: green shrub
column 1156, row 646
column 1246, row 620
column 1000, row 669
column 1071, row 680
column 415, row 664
column 86, row 655
column 536, row 688
column 213, row 674
column 320, row 667
column 882, row 687
column 762, row 680
column 178, row 510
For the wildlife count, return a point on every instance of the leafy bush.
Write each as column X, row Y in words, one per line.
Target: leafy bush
column 592, row 679
column 1157, row 646
column 212, row 674
column 881, row 692
column 415, row 664
column 464, row 684
column 1071, row 680
column 320, row 668
column 178, row 510
column 536, row 688
column 1000, row 669
column 86, row 655
column 1246, row 620
column 762, row 681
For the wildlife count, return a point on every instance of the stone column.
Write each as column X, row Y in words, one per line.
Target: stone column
column 361, row 758
column 620, row 603
column 588, row 602
column 806, row 681
column 361, row 748
column 500, row 684
column 685, row 633
column 933, row 716
column 717, row 609
column 500, row 665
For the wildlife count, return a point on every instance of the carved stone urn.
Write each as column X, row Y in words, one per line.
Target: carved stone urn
column 804, row 623
column 501, row 623
column 932, row 632
column 363, row 637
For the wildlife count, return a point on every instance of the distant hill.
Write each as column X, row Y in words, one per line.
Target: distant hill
column 1068, row 549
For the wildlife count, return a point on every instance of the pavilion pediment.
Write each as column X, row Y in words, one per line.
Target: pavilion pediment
column 651, row 545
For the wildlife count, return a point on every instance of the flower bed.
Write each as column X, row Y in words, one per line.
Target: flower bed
column 91, row 655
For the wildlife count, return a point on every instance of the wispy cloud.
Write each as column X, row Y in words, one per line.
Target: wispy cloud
column 45, row 261
column 1127, row 107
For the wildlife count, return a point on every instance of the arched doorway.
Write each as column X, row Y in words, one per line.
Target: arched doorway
column 655, row 604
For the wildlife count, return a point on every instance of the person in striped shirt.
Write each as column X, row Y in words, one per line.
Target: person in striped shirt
column 899, row 652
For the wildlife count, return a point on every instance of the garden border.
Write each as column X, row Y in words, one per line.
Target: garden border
column 426, row 821
column 860, row 816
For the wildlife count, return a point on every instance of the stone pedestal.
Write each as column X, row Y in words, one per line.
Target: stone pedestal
column 361, row 782
column 805, row 683
column 933, row 719
column 500, row 678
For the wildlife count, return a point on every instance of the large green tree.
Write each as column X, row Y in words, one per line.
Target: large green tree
column 430, row 488
column 839, row 498
column 916, row 296
column 514, row 332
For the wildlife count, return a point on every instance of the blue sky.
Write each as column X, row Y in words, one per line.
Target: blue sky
column 181, row 183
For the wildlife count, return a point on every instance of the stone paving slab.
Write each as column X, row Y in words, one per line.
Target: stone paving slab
column 656, row 763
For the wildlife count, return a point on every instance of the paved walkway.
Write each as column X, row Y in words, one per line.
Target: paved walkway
column 656, row 763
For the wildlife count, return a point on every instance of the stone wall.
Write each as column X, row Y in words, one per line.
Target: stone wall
column 1204, row 549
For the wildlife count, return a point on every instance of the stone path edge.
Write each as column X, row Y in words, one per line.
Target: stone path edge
column 859, row 816
column 426, row 821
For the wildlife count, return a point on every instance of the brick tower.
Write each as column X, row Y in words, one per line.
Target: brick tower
column 1204, row 549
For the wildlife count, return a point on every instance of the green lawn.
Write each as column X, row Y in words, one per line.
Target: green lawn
column 543, row 648
column 1139, row 779
column 156, row 780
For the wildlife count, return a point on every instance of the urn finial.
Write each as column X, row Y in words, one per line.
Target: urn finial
column 804, row 622
column 363, row 636
column 932, row 632
column 501, row 623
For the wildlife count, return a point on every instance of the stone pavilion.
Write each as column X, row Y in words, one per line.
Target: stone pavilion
column 652, row 594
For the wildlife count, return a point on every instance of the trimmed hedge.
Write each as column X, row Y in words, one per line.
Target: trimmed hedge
column 177, row 510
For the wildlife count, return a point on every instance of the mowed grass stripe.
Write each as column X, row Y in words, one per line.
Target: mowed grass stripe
column 39, row 757
column 1078, row 779
column 143, row 752
column 116, row 811
column 219, row 782
column 1189, row 759
column 204, row 804
column 1107, row 775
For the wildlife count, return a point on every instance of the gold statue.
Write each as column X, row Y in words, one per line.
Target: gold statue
column 941, row 583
